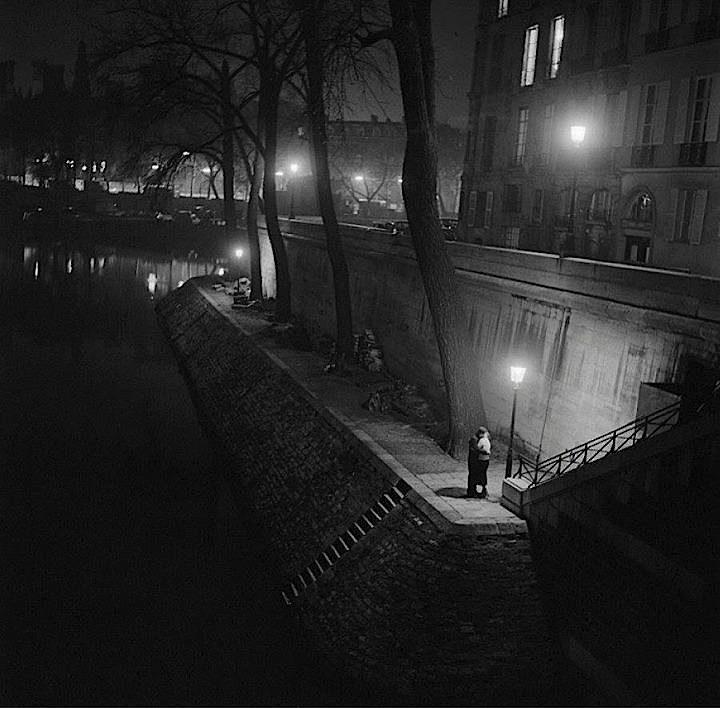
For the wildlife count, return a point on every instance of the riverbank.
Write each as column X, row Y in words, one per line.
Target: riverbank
column 391, row 570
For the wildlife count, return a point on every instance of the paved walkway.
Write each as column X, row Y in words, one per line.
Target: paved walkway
column 439, row 478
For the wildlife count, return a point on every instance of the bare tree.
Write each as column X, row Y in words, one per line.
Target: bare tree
column 411, row 35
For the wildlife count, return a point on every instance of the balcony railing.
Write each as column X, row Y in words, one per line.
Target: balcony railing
column 643, row 156
column 692, row 154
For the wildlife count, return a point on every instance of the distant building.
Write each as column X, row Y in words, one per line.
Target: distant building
column 643, row 79
column 366, row 159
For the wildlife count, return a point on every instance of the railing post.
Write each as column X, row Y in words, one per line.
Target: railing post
column 645, row 428
column 612, row 446
column 560, row 464
column 585, row 455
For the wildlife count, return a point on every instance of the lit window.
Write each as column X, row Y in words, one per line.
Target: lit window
column 502, row 8
column 642, row 208
column 699, row 109
column 557, row 34
column 521, row 140
column 690, row 215
column 529, row 56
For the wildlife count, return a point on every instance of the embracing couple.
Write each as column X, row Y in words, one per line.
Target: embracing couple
column 478, row 461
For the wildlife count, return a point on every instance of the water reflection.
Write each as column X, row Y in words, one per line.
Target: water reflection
column 161, row 273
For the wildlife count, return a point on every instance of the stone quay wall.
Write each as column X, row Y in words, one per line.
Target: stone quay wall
column 442, row 612
column 589, row 332
column 628, row 552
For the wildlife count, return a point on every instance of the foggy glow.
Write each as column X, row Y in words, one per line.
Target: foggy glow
column 239, row 253
column 358, row 178
column 180, row 283
column 221, row 272
column 294, row 167
column 152, row 282
column 279, row 173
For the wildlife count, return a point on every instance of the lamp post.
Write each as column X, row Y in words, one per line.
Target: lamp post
column 517, row 374
column 577, row 136
column 293, row 171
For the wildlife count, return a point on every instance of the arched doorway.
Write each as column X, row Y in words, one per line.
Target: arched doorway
column 638, row 227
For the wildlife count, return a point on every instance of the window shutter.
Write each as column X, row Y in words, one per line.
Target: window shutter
column 619, row 121
column 488, row 208
column 659, row 120
column 711, row 132
column 632, row 114
column 671, row 222
column 681, row 110
column 698, row 216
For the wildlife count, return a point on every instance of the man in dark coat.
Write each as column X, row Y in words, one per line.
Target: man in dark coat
column 478, row 461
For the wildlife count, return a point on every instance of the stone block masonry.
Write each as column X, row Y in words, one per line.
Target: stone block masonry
column 589, row 332
column 443, row 610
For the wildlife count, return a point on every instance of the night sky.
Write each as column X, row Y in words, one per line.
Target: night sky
column 51, row 29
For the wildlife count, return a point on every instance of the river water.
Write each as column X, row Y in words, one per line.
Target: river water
column 128, row 574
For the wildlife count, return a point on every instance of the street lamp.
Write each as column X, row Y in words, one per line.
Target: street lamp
column 577, row 136
column 517, row 374
column 293, row 171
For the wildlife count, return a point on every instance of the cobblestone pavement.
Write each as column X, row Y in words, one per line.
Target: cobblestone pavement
column 441, row 479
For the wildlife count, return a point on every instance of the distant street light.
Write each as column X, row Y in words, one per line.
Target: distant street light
column 517, row 374
column 577, row 136
column 358, row 178
column 155, row 166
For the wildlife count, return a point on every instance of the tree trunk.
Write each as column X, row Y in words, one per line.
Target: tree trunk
column 252, row 229
column 228, row 152
column 270, row 95
column 318, row 129
column 412, row 39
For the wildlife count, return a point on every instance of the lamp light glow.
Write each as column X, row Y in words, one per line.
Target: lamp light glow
column 577, row 134
column 294, row 167
column 279, row 173
column 517, row 374
column 358, row 178
column 239, row 253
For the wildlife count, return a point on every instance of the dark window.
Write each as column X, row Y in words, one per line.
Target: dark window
column 488, row 143
column 537, row 210
column 512, row 199
column 637, row 249
column 591, row 15
column 496, row 63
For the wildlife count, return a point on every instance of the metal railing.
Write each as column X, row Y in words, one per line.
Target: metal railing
column 626, row 436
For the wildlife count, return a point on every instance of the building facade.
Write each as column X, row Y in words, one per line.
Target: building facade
column 640, row 182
